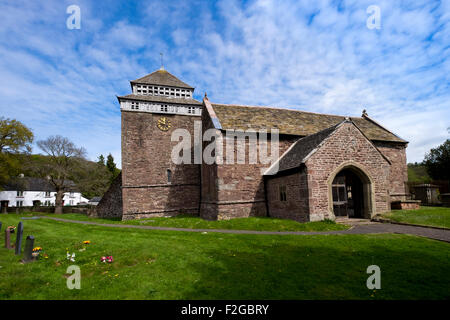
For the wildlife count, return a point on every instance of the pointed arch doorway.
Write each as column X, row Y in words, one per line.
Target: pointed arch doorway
column 351, row 192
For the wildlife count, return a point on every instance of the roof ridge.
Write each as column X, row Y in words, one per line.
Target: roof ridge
column 294, row 121
column 331, row 129
column 382, row 127
column 176, row 81
column 284, row 108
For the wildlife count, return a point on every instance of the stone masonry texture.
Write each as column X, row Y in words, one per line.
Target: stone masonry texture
column 146, row 159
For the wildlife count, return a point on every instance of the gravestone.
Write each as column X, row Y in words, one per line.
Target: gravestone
column 0, row 226
column 19, row 238
column 28, row 253
column 7, row 239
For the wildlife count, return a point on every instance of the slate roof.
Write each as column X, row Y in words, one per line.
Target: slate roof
column 300, row 151
column 160, row 99
column 31, row 184
column 296, row 155
column 163, row 78
column 293, row 122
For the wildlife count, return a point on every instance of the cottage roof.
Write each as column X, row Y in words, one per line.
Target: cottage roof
column 32, row 184
column 163, row 78
column 293, row 122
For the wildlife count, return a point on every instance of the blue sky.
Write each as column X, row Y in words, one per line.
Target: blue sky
column 310, row 55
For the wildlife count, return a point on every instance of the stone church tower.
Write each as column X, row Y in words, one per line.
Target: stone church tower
column 151, row 183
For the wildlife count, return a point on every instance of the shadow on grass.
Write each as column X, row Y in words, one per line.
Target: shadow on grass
column 283, row 271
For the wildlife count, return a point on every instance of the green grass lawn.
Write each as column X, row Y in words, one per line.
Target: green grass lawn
column 427, row 216
column 151, row 264
column 192, row 222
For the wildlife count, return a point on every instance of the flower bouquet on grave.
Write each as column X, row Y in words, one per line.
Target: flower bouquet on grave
column 71, row 257
column 108, row 259
column 12, row 229
column 36, row 252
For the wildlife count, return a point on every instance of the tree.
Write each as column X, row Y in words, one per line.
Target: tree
column 94, row 179
column 112, row 167
column 9, row 167
column 417, row 173
column 437, row 162
column 60, row 166
column 15, row 138
column 110, row 163
column 101, row 160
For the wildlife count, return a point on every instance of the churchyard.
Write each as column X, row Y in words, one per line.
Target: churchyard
column 427, row 216
column 127, row 263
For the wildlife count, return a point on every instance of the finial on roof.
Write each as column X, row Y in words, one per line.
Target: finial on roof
column 364, row 113
column 347, row 119
column 162, row 61
column 206, row 96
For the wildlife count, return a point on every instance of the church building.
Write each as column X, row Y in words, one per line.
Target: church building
column 328, row 165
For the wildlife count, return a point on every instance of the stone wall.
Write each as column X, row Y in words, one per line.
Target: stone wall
column 405, row 205
column 146, row 157
column 111, row 206
column 237, row 189
column 296, row 206
column 398, row 173
column 347, row 146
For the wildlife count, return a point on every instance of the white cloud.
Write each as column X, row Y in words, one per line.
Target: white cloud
column 312, row 55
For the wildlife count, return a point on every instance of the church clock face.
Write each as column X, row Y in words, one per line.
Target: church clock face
column 164, row 124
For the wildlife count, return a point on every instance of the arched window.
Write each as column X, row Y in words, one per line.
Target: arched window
column 169, row 176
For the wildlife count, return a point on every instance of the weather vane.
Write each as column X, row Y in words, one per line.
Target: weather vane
column 162, row 61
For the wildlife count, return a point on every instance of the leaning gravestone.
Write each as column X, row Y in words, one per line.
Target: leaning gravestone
column 28, row 253
column 19, row 238
column 7, row 238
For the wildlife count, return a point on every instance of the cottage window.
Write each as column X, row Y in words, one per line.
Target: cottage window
column 283, row 194
column 19, row 203
column 47, row 194
column 20, row 193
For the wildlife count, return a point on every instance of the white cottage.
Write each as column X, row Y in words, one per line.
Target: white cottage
column 25, row 191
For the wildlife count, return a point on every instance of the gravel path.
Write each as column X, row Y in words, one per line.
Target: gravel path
column 443, row 235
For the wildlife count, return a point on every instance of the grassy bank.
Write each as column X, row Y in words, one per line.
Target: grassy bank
column 192, row 222
column 427, row 216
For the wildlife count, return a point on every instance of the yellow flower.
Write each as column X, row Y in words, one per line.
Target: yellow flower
column 86, row 242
